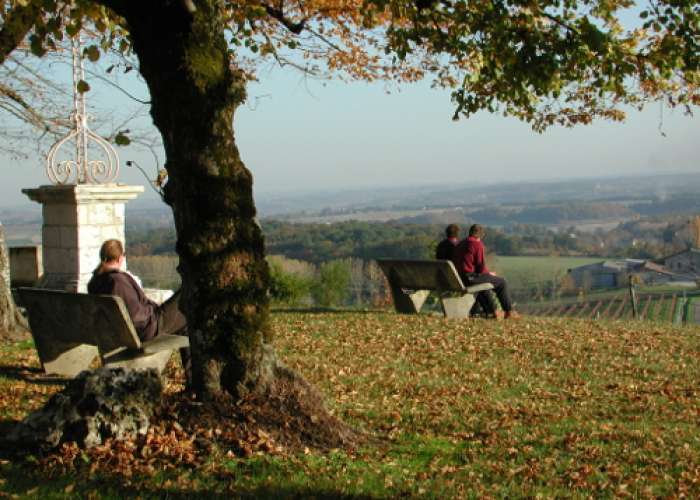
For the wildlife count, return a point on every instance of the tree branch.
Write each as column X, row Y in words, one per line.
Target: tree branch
column 560, row 22
column 295, row 28
column 118, row 87
column 119, row 7
column 325, row 40
column 14, row 96
column 18, row 22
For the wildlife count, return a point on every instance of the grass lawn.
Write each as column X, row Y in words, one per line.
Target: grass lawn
column 542, row 406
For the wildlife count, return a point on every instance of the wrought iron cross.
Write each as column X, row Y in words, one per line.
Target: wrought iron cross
column 81, row 169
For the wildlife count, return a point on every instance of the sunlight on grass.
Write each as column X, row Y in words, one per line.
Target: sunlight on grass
column 551, row 407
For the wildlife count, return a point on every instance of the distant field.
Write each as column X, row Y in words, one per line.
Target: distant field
column 521, row 271
column 365, row 216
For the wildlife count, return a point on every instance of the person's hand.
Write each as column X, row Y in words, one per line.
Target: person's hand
column 492, row 273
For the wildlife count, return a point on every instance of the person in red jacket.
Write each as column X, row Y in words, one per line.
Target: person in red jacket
column 472, row 267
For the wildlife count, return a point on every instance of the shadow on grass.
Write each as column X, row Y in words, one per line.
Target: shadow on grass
column 19, row 481
column 327, row 310
column 6, row 426
column 32, row 375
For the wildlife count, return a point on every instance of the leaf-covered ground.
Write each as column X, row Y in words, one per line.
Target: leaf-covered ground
column 550, row 407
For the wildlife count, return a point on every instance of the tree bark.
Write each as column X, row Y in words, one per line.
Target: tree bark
column 11, row 321
column 195, row 90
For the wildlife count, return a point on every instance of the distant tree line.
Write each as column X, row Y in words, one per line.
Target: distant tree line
column 150, row 241
column 559, row 213
column 341, row 282
column 330, row 265
column 679, row 204
column 317, row 243
column 294, row 283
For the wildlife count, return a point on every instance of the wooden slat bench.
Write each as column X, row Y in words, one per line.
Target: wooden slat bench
column 70, row 329
column 411, row 281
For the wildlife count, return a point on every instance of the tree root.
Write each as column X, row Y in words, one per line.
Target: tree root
column 285, row 409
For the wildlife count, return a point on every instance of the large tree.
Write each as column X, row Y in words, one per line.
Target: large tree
column 543, row 61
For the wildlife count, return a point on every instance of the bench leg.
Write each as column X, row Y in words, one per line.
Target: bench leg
column 67, row 362
column 65, row 359
column 457, row 307
column 408, row 303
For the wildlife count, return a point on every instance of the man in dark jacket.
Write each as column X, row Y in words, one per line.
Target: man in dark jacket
column 149, row 318
column 446, row 248
column 472, row 267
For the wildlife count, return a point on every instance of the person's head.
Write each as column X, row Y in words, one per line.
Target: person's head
column 477, row 231
column 111, row 255
column 452, row 231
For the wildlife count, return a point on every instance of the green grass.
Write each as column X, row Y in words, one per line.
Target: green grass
column 452, row 409
column 521, row 271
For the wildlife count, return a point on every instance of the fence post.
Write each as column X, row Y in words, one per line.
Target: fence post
column 684, row 311
column 633, row 298
column 554, row 289
column 678, row 314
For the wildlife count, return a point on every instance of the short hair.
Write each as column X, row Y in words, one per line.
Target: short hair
column 111, row 250
column 452, row 231
column 476, row 230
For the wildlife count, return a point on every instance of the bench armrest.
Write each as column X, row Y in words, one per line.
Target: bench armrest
column 480, row 288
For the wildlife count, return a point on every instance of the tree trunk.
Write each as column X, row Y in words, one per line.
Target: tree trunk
column 195, row 90
column 11, row 321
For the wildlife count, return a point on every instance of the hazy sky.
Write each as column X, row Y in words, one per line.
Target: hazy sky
column 298, row 134
column 357, row 135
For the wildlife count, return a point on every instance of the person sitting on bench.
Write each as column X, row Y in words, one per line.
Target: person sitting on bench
column 446, row 248
column 472, row 267
column 149, row 318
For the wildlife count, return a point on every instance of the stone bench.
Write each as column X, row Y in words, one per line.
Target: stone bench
column 411, row 281
column 70, row 329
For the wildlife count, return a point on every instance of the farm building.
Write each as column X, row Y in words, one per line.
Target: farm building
column 686, row 262
column 616, row 273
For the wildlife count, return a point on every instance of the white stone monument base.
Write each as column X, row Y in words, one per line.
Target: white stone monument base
column 77, row 219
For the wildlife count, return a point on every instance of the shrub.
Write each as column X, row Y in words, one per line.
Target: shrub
column 331, row 284
column 287, row 287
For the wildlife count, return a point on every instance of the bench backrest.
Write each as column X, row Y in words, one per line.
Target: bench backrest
column 421, row 274
column 101, row 320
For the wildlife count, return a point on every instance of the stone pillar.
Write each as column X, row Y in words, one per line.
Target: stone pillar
column 76, row 220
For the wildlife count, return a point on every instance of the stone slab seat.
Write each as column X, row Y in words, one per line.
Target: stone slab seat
column 411, row 281
column 70, row 329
